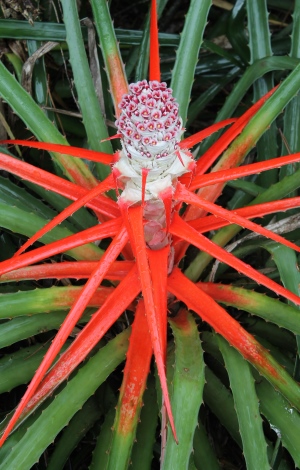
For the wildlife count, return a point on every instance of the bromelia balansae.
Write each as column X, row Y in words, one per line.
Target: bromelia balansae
column 154, row 170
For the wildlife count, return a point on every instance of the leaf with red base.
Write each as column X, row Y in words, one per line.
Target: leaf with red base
column 208, row 223
column 131, row 393
column 186, row 196
column 77, row 152
column 106, row 185
column 72, row 318
column 134, row 215
column 233, row 173
column 194, row 139
column 74, row 269
column 159, row 259
column 120, row 299
column 230, row 329
column 65, row 188
column 271, row 310
column 210, row 156
column 105, row 230
column 186, row 232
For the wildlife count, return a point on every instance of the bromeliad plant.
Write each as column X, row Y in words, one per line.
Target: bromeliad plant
column 140, row 282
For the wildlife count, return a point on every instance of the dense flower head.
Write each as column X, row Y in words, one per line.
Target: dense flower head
column 150, row 129
column 149, row 122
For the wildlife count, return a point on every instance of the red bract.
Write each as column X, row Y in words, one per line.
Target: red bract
column 155, row 173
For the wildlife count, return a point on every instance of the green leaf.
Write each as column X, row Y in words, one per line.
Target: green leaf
column 186, row 396
column 220, row 401
column 93, row 118
column 187, row 53
column 204, row 455
column 28, row 223
column 18, row 368
column 284, row 315
column 145, row 437
column 57, row 415
column 247, row 408
column 74, row 433
column 284, row 419
column 36, row 120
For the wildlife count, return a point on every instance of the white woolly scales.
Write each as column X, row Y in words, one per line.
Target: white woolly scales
column 151, row 129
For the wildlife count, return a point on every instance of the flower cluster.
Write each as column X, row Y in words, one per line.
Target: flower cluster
column 151, row 129
column 149, row 121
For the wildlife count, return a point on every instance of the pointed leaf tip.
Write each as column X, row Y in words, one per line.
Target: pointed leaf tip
column 154, row 66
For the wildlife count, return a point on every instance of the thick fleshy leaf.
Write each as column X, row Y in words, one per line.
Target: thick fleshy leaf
column 72, row 318
column 284, row 315
column 66, row 404
column 284, row 420
column 86, row 72
column 18, row 367
column 131, row 393
column 194, row 139
column 61, row 186
column 76, row 270
column 101, row 188
column 36, row 120
column 25, row 222
column 105, row 230
column 184, row 195
column 64, row 149
column 247, row 408
column 159, row 283
column 203, row 452
column 222, row 176
column 208, row 223
column 89, row 336
column 187, row 387
column 134, row 215
column 184, row 231
column 231, row 330
column 220, row 401
column 154, row 62
column 22, row 328
column 222, row 143
column 111, row 53
column 143, row 447
column 77, row 428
